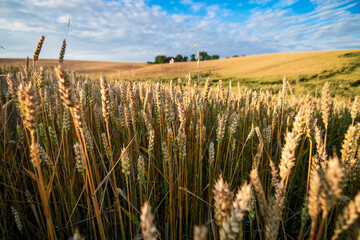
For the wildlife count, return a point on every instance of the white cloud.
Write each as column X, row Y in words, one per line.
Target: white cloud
column 195, row 6
column 132, row 30
column 329, row 26
column 260, row 2
column 286, row 3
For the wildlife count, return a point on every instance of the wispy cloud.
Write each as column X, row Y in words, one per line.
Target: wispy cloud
column 195, row 6
column 260, row 2
column 324, row 28
column 138, row 30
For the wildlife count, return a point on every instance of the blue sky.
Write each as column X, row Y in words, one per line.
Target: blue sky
column 138, row 30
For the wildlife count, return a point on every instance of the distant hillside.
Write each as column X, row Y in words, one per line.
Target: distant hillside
column 86, row 67
column 306, row 71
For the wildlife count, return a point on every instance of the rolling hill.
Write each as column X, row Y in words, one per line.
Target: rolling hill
column 306, row 71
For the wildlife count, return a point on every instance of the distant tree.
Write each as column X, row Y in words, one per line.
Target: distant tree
column 179, row 58
column 160, row 59
column 235, row 55
column 167, row 59
column 204, row 56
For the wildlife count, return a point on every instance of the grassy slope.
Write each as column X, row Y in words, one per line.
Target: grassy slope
column 306, row 71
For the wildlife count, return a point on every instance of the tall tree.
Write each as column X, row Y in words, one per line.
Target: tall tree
column 160, row 59
column 204, row 56
column 179, row 58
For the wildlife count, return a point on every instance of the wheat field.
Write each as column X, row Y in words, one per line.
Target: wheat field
column 98, row 158
column 308, row 71
column 81, row 67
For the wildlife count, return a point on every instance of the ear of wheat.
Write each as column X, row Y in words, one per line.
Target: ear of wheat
column 38, row 48
column 62, row 52
column 148, row 229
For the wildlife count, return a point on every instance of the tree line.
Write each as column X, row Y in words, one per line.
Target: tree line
column 204, row 56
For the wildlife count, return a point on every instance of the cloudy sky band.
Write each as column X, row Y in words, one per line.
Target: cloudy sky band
column 137, row 30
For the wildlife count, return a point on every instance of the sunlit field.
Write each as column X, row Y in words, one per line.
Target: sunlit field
column 234, row 150
column 307, row 71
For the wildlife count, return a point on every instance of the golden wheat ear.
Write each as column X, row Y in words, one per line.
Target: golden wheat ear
column 349, row 215
column 223, row 201
column 105, row 96
column 38, row 48
column 62, row 52
column 148, row 228
column 65, row 87
column 200, row 233
column 29, row 103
